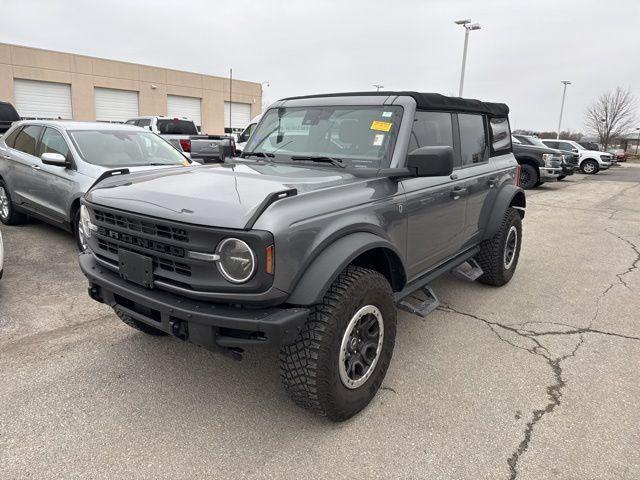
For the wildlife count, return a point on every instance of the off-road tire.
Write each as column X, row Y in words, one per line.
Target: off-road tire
column 141, row 326
column 561, row 177
column 492, row 251
column 309, row 367
column 596, row 167
column 528, row 176
column 14, row 218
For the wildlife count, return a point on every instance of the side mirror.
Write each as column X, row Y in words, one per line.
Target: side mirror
column 431, row 161
column 574, row 150
column 54, row 159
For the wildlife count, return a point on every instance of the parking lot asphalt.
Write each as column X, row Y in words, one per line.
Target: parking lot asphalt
column 539, row 379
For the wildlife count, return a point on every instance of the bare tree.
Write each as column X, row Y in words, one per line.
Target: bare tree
column 611, row 115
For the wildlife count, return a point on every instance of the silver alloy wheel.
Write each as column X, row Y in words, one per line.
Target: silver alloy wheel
column 82, row 236
column 4, row 204
column 589, row 167
column 510, row 247
column 361, row 346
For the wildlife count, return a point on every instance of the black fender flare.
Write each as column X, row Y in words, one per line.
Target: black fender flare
column 329, row 263
column 508, row 196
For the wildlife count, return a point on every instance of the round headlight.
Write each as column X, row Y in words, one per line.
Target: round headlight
column 237, row 261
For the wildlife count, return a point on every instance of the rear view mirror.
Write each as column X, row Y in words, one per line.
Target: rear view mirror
column 431, row 161
column 54, row 159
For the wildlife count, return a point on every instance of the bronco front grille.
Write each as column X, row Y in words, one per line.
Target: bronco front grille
column 142, row 226
column 158, row 263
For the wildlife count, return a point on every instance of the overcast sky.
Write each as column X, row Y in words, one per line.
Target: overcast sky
column 309, row 46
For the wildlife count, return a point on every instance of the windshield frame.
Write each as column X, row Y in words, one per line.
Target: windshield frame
column 181, row 159
column 351, row 162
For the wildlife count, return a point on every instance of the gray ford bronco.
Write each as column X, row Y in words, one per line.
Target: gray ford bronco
column 342, row 208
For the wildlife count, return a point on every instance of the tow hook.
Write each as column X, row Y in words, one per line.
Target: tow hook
column 179, row 329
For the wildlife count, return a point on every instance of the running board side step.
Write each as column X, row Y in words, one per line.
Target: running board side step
column 469, row 270
column 421, row 302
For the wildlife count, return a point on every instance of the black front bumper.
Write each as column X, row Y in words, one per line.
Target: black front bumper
column 211, row 325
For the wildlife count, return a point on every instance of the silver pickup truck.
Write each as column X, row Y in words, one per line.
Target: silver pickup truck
column 183, row 134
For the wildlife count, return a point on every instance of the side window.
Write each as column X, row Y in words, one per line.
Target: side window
column 10, row 139
column 53, row 142
column 27, row 139
column 565, row 146
column 473, row 145
column 144, row 122
column 550, row 143
column 431, row 129
column 500, row 134
column 131, row 122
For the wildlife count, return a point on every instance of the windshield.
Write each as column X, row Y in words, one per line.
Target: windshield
column 112, row 148
column 176, row 126
column 358, row 137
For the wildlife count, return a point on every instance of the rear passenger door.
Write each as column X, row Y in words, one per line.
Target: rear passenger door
column 25, row 164
column 435, row 212
column 474, row 174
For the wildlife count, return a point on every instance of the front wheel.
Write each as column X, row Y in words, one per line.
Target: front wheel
column 341, row 356
column 498, row 256
column 78, row 232
column 528, row 176
column 590, row 167
column 561, row 177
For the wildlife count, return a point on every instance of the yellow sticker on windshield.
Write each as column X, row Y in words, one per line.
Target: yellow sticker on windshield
column 185, row 163
column 381, row 126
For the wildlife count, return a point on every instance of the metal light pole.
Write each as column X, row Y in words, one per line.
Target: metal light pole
column 564, row 92
column 468, row 26
column 378, row 86
column 638, row 140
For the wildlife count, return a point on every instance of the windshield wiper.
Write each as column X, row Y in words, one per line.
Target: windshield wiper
column 257, row 154
column 336, row 162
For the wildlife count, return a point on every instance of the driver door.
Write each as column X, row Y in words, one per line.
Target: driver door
column 435, row 213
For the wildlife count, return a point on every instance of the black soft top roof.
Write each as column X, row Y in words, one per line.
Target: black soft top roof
column 430, row 101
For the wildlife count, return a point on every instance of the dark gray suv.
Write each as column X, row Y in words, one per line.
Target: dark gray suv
column 342, row 208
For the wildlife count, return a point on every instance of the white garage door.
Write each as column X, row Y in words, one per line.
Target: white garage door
column 45, row 100
column 189, row 107
column 240, row 115
column 115, row 105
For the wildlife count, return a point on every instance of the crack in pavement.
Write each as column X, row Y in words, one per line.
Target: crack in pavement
column 634, row 265
column 554, row 391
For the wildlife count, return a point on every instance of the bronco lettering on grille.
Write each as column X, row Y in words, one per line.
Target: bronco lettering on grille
column 142, row 242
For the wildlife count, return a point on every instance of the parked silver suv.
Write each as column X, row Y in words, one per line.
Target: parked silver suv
column 47, row 166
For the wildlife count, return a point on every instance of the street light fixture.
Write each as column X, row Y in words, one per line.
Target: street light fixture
column 468, row 26
column 378, row 86
column 564, row 92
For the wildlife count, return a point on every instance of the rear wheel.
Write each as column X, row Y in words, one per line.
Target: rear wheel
column 340, row 358
column 498, row 256
column 8, row 214
column 589, row 167
column 528, row 176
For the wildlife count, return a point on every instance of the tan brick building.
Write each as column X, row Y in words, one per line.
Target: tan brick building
column 47, row 84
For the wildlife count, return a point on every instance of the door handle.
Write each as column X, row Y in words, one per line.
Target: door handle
column 458, row 192
column 8, row 157
column 492, row 181
column 35, row 166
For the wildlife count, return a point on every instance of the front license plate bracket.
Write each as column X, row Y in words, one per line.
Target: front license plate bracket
column 136, row 268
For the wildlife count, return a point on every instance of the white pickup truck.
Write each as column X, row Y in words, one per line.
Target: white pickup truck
column 183, row 134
